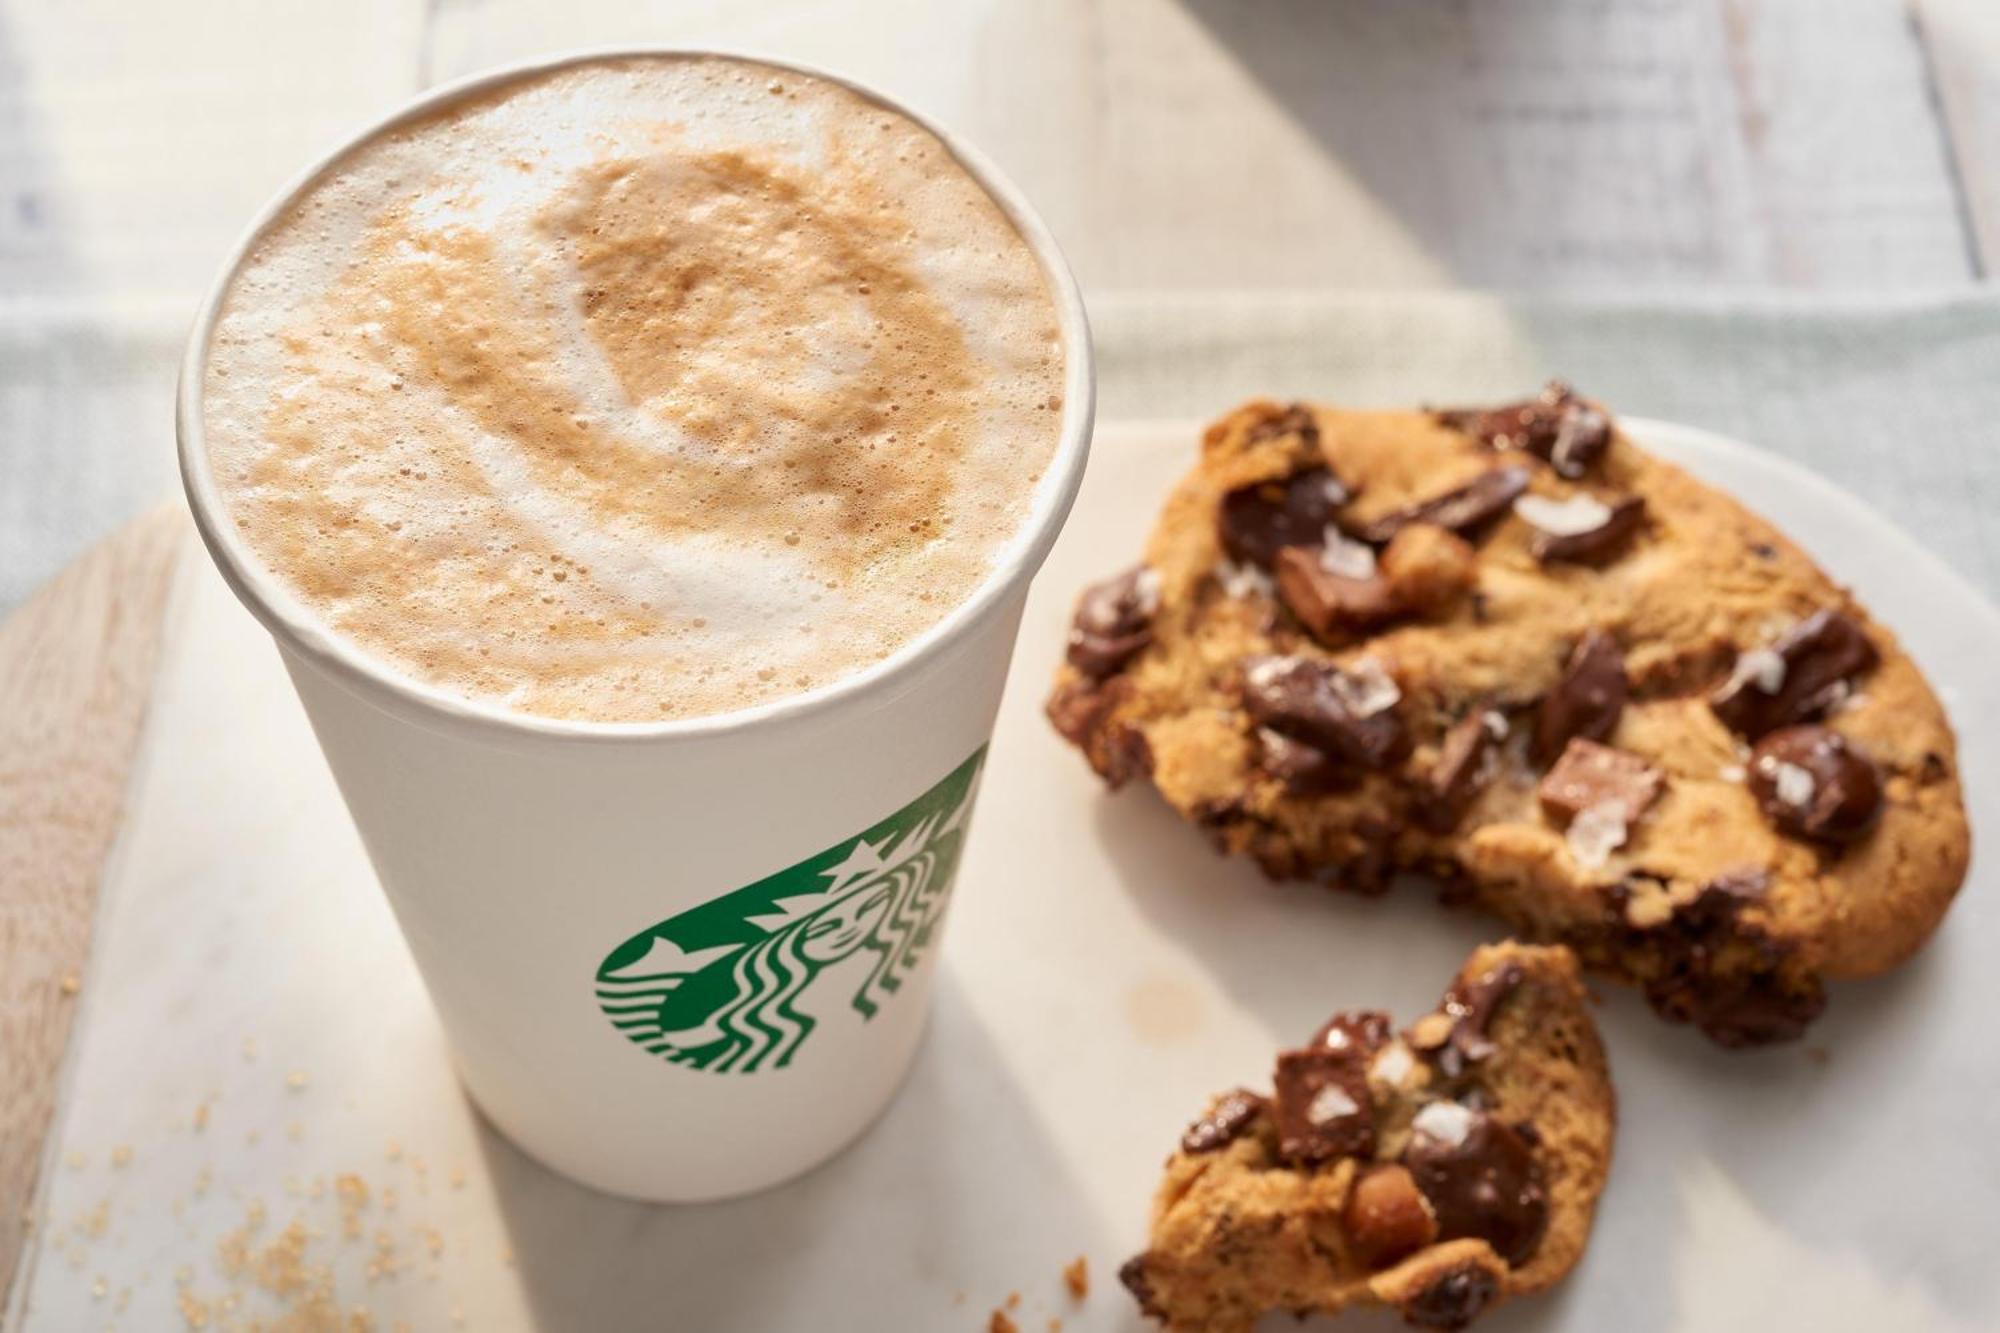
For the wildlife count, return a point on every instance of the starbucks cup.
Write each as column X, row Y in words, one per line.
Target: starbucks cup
column 652, row 944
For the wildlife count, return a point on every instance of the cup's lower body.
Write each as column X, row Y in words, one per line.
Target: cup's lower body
column 670, row 1179
column 687, row 967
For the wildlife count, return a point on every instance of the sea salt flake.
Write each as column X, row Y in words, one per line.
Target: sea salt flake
column 1794, row 785
column 1447, row 1122
column 1596, row 832
column 1330, row 1104
column 1563, row 518
column 1365, row 689
column 1761, row 667
column 1344, row 558
column 1731, row 773
column 1495, row 723
column 1147, row 588
column 1392, row 1064
column 1241, row 581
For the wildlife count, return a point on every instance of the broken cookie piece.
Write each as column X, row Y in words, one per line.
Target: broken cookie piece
column 1672, row 697
column 1475, row 1181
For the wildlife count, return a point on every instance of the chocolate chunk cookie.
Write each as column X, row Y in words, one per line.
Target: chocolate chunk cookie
column 1599, row 698
column 1440, row 1171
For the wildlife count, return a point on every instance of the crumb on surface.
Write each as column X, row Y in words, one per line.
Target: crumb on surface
column 1000, row 1323
column 1076, row 1276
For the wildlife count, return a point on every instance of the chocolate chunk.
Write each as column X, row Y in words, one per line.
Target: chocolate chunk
column 1587, row 699
column 1322, row 1105
column 1306, row 770
column 1581, row 530
column 1260, row 520
column 1471, row 1008
column 1726, row 975
column 1810, row 782
column 1361, row 1034
column 1461, row 770
column 1453, row 1299
column 1081, row 710
column 1797, row 678
column 1294, row 420
column 1559, row 426
column 1332, row 604
column 1481, row 1178
column 1589, row 775
column 1224, row 1123
column 1133, row 1276
column 1465, row 511
column 1114, row 621
column 1350, row 715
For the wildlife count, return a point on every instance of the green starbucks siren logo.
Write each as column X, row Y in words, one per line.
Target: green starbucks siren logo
column 719, row 986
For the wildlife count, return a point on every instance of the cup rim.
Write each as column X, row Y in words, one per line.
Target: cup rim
column 388, row 687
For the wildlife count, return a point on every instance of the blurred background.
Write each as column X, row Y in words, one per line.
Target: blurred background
column 1246, row 182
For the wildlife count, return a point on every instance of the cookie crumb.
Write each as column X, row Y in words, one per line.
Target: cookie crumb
column 1013, row 1300
column 1076, row 1276
column 71, row 983
column 1000, row 1323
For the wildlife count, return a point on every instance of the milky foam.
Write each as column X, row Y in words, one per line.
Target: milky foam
column 651, row 388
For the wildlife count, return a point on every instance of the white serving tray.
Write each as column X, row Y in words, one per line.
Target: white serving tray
column 1103, row 973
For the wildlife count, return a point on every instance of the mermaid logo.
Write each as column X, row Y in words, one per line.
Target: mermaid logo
column 731, row 986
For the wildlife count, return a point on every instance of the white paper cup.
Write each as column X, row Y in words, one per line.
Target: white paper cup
column 675, row 960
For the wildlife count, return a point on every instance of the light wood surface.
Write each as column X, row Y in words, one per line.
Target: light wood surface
column 75, row 666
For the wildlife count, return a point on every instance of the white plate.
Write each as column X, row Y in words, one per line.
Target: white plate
column 1104, row 973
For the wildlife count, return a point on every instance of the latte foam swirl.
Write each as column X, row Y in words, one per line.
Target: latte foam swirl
column 650, row 388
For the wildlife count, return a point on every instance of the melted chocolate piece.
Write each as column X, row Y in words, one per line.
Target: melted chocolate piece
column 1461, row 770
column 1453, row 1300
column 1306, row 770
column 1224, row 1123
column 1811, row 783
column 1114, row 621
column 1486, row 1185
column 1591, row 774
column 1465, row 511
column 1328, row 604
column 1727, row 976
column 1622, row 518
column 1820, row 657
column 1260, row 520
column 1315, row 702
column 1587, row 699
column 1471, row 1008
column 1558, row 426
column 1361, row 1034
column 1322, row 1105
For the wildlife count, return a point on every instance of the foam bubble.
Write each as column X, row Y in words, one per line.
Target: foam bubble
column 649, row 388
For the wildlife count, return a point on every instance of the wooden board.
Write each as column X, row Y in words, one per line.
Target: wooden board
column 76, row 664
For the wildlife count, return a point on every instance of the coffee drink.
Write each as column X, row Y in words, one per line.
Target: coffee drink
column 647, row 388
